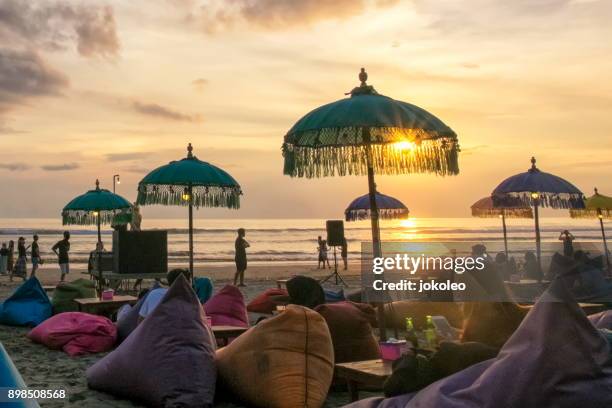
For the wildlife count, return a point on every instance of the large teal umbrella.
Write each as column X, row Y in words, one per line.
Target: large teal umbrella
column 189, row 182
column 96, row 207
column 369, row 133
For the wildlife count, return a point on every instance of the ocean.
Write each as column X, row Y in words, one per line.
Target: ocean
column 295, row 240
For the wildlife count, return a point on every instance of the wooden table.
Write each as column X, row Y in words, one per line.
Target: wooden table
column 104, row 307
column 48, row 288
column 360, row 374
column 224, row 333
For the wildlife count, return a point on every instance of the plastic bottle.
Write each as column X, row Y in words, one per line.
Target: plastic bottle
column 411, row 336
column 431, row 336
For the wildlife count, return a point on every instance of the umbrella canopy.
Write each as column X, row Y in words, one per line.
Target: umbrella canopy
column 596, row 206
column 484, row 208
column 189, row 182
column 369, row 130
column 388, row 208
column 97, row 206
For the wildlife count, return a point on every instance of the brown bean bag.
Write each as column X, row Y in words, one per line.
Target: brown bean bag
column 350, row 325
column 397, row 312
column 265, row 302
column 284, row 361
column 491, row 323
column 168, row 361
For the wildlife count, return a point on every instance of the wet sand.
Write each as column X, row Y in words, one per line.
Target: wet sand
column 48, row 369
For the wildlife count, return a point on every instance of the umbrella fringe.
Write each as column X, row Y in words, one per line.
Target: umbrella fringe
column 202, row 196
column 508, row 212
column 385, row 214
column 438, row 156
column 82, row 217
column 552, row 200
column 590, row 213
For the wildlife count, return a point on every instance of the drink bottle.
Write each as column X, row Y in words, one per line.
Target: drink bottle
column 431, row 336
column 411, row 336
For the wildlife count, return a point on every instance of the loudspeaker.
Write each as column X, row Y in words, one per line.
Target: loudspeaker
column 335, row 232
column 140, row 251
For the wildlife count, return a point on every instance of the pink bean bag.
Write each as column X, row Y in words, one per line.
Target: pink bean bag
column 265, row 303
column 76, row 333
column 227, row 308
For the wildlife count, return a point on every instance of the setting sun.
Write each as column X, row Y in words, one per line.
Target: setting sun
column 408, row 223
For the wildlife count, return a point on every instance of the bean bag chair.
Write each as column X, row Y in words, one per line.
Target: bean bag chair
column 350, row 326
column 265, row 302
column 305, row 291
column 203, row 288
column 332, row 296
column 11, row 379
column 602, row 320
column 76, row 333
column 491, row 323
column 556, row 358
column 284, row 361
column 168, row 361
column 129, row 321
column 227, row 308
column 29, row 305
column 65, row 293
column 397, row 312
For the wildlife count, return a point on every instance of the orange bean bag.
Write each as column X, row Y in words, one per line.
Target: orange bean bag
column 397, row 312
column 351, row 330
column 284, row 361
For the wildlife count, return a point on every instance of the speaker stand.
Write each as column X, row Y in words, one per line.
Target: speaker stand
column 337, row 277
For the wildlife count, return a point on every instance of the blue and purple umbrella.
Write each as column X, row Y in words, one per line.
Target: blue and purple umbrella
column 388, row 208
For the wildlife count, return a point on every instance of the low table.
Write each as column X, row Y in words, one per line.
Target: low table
column 104, row 307
column 364, row 374
column 48, row 288
column 225, row 333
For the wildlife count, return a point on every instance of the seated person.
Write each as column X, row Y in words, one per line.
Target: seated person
column 93, row 258
column 155, row 296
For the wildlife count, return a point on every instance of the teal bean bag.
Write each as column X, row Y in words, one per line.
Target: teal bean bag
column 11, row 379
column 29, row 305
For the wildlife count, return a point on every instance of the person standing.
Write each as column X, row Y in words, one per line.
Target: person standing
column 35, row 255
column 61, row 249
column 3, row 258
column 568, row 243
column 240, row 246
column 344, row 252
column 10, row 260
column 20, row 268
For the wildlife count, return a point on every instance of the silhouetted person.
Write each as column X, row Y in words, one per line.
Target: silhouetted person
column 532, row 267
column 568, row 246
column 10, row 261
column 344, row 253
column 20, row 268
column 61, row 249
column 240, row 245
column 35, row 255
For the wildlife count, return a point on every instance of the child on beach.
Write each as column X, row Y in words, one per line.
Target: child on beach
column 61, row 249
column 20, row 268
column 322, row 248
column 240, row 246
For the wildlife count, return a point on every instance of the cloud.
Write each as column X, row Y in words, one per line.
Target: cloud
column 115, row 157
column 137, row 169
column 199, row 84
column 54, row 25
column 60, row 167
column 163, row 112
column 23, row 74
column 14, row 166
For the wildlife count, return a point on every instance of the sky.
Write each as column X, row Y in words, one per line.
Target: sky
column 89, row 89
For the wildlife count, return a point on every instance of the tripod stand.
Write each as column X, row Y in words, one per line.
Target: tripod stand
column 335, row 274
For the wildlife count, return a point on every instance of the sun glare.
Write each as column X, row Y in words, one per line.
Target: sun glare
column 404, row 146
column 408, row 223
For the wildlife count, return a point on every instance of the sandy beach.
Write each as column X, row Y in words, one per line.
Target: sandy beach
column 50, row 369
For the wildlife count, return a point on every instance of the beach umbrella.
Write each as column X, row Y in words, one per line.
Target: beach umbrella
column 536, row 188
column 597, row 206
column 388, row 208
column 97, row 207
column 369, row 133
column 189, row 182
column 484, row 208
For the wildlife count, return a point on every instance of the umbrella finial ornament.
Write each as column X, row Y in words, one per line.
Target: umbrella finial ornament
column 363, row 77
column 533, row 164
column 189, row 150
column 97, row 184
column 596, row 191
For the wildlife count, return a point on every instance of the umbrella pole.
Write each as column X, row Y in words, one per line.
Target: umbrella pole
column 603, row 236
column 190, row 235
column 98, row 247
column 536, row 216
column 503, row 217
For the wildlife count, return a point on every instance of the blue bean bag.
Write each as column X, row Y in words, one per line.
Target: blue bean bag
column 29, row 305
column 168, row 361
column 11, row 379
column 333, row 297
column 203, row 288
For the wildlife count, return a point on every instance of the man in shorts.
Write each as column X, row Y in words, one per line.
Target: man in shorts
column 61, row 249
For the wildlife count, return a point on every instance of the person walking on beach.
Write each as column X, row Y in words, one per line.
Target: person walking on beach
column 344, row 253
column 3, row 258
column 20, row 268
column 10, row 257
column 61, row 249
column 568, row 246
column 240, row 245
column 35, row 255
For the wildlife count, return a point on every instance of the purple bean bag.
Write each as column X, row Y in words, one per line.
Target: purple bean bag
column 556, row 358
column 76, row 333
column 602, row 320
column 227, row 308
column 168, row 361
